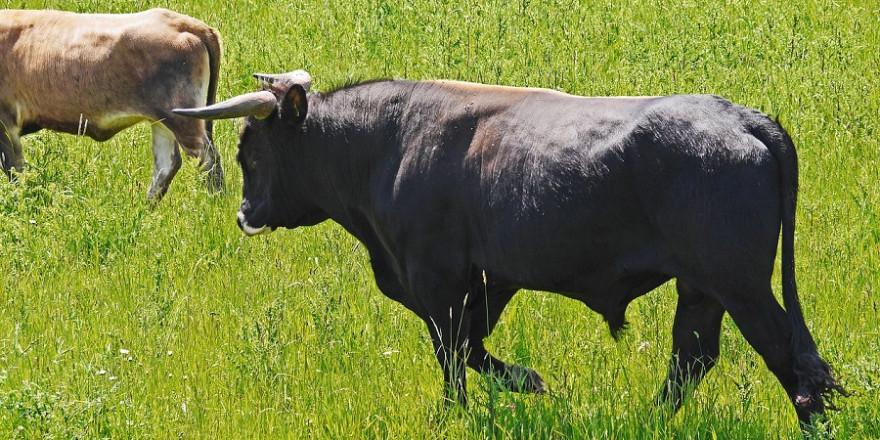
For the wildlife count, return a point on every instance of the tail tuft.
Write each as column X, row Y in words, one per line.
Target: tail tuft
column 817, row 383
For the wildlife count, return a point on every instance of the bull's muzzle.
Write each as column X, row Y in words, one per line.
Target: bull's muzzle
column 248, row 229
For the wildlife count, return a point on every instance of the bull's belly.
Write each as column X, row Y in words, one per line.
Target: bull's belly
column 606, row 288
column 583, row 271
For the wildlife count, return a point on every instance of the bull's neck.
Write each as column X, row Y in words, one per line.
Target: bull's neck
column 353, row 141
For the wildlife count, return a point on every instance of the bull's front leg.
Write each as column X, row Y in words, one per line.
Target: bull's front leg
column 451, row 353
column 486, row 303
column 448, row 321
column 510, row 377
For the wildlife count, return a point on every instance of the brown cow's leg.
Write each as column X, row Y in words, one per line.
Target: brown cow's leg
column 10, row 148
column 211, row 163
column 695, row 343
column 166, row 161
column 487, row 305
column 196, row 141
column 6, row 154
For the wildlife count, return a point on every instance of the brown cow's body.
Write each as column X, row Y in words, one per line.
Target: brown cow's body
column 97, row 74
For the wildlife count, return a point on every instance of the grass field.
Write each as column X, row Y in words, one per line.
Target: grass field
column 118, row 320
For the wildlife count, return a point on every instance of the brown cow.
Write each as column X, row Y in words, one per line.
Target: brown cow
column 97, row 74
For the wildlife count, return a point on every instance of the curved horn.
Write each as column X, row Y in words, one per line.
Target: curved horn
column 300, row 77
column 257, row 104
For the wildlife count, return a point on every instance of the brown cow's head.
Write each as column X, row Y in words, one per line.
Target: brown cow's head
column 273, row 116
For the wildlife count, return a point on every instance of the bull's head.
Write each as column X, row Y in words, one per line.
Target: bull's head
column 273, row 116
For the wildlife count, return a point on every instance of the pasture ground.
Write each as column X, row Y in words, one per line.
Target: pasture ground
column 118, row 320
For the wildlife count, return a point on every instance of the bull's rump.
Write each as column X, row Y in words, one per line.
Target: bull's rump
column 595, row 194
column 62, row 67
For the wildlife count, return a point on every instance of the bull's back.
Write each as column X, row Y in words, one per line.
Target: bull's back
column 571, row 199
column 535, row 176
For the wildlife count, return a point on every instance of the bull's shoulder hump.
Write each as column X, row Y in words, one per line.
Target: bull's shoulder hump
column 478, row 88
column 470, row 87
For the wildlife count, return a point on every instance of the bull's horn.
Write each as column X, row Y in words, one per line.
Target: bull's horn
column 300, row 77
column 257, row 104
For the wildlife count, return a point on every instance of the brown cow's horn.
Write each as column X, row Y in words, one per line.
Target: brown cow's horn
column 267, row 78
column 300, row 77
column 256, row 104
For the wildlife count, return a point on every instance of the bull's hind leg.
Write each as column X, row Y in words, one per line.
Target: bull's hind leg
column 486, row 305
column 166, row 161
column 695, row 343
column 768, row 330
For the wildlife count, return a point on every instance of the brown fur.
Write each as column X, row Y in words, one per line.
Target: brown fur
column 97, row 74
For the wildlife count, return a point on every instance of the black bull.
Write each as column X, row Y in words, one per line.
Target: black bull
column 464, row 193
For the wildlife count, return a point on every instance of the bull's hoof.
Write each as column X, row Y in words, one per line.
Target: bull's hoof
column 520, row 380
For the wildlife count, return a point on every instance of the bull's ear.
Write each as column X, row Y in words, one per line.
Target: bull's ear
column 295, row 104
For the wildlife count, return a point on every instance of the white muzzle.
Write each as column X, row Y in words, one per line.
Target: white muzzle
column 248, row 229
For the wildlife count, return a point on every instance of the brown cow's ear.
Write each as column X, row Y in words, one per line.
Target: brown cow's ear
column 295, row 104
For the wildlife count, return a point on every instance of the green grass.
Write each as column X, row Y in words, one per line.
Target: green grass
column 118, row 320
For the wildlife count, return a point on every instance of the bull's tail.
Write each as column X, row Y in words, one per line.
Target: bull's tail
column 814, row 375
